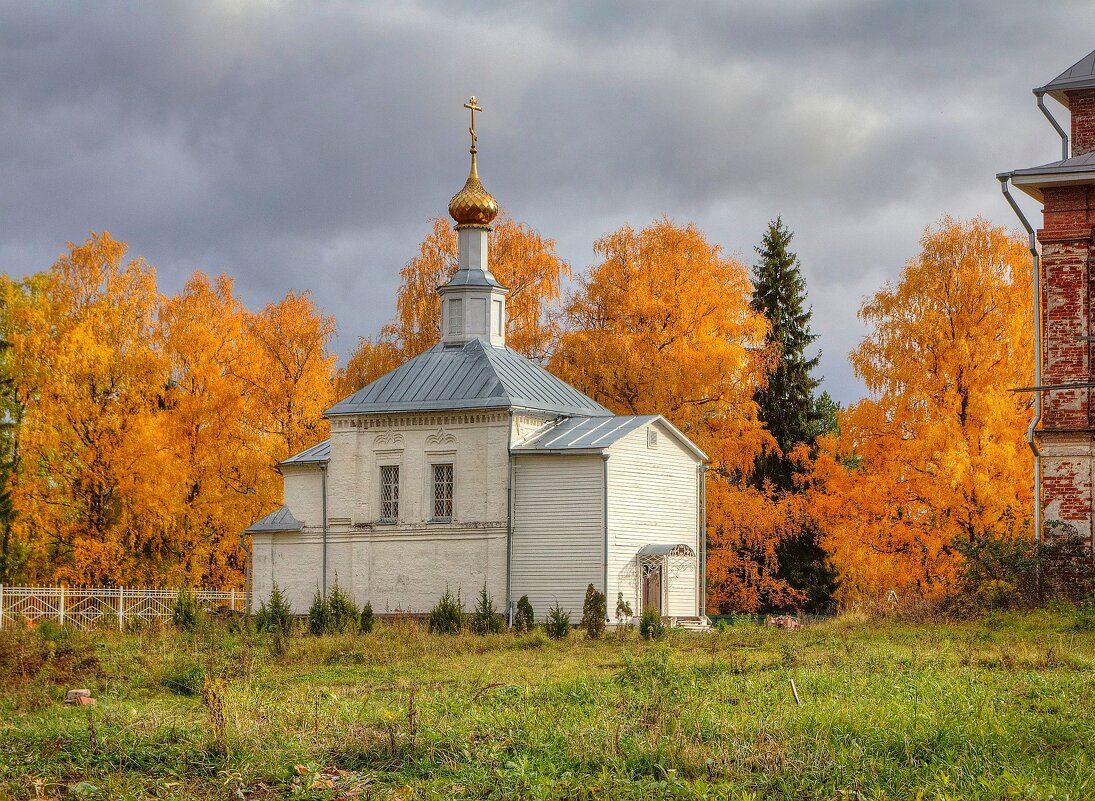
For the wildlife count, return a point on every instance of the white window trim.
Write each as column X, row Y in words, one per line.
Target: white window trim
column 431, row 477
column 381, row 519
column 433, row 457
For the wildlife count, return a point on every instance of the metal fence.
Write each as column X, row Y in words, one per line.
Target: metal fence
column 101, row 607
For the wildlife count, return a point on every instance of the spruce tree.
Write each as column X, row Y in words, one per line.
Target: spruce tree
column 788, row 405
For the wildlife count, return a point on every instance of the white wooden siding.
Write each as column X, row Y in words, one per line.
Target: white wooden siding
column 653, row 498
column 558, row 532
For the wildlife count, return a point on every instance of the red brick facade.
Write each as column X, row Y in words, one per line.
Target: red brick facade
column 1081, row 105
column 1067, row 436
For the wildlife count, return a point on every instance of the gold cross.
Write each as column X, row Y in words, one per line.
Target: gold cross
column 472, row 106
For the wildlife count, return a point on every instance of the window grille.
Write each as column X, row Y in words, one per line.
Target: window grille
column 389, row 493
column 442, row 491
column 652, row 437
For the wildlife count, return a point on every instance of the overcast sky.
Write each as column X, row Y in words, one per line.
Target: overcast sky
column 306, row 146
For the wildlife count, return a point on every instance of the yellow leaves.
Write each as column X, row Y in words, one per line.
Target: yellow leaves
column 520, row 258
column 663, row 325
column 153, row 425
column 937, row 453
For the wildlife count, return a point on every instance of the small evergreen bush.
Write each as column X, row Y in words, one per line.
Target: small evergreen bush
column 557, row 624
column 651, row 626
column 594, row 612
column 368, row 619
column 448, row 616
column 523, row 619
column 275, row 615
column 319, row 616
column 485, row 619
column 187, row 613
column 344, row 614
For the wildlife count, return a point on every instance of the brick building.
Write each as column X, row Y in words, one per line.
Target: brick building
column 1063, row 431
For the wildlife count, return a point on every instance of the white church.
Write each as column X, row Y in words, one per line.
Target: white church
column 470, row 465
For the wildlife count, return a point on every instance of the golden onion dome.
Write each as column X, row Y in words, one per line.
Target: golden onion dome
column 473, row 205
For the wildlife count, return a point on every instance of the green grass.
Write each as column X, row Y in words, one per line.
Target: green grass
column 998, row 709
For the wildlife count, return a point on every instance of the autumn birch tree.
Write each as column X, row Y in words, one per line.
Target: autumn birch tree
column 936, row 454
column 662, row 324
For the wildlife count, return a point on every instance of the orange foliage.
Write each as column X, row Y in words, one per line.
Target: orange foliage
column 663, row 325
column 937, row 453
column 521, row 259
column 152, row 425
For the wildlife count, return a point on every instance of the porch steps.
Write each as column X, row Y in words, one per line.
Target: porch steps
column 690, row 623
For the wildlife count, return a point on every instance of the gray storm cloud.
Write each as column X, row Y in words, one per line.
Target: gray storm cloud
column 306, row 146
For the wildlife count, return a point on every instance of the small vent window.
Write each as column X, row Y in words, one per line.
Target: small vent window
column 442, row 491
column 496, row 317
column 652, row 437
column 389, row 493
column 456, row 316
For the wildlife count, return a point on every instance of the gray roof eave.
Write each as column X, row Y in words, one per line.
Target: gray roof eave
column 1080, row 75
column 1032, row 183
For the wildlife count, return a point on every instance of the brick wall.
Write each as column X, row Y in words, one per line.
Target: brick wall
column 1081, row 106
column 1068, row 286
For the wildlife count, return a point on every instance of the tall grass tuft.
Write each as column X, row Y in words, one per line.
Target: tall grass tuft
column 187, row 614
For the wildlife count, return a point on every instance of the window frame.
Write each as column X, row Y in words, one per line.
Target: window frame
column 381, row 485
column 434, row 484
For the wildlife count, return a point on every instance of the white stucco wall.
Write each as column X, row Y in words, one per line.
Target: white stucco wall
column 405, row 566
column 653, row 498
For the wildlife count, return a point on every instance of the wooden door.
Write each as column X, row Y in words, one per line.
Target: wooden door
column 652, row 588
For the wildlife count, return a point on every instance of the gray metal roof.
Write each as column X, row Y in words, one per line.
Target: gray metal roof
column 281, row 520
column 1080, row 75
column 472, row 278
column 666, row 548
column 595, row 434
column 317, row 454
column 1078, row 169
column 470, row 375
column 584, row 433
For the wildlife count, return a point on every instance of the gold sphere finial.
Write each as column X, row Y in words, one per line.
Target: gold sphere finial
column 473, row 206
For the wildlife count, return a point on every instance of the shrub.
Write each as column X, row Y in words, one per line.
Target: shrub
column 275, row 615
column 557, row 624
column 187, row 613
column 1084, row 618
column 522, row 620
column 448, row 616
column 651, row 626
column 368, row 619
column 1011, row 572
column 594, row 612
column 485, row 619
column 624, row 613
column 319, row 616
column 344, row 614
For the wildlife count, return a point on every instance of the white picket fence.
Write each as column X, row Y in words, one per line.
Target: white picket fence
column 97, row 607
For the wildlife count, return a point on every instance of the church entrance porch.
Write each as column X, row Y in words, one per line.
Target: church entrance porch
column 667, row 579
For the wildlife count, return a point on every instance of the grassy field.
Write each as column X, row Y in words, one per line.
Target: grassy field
column 1001, row 708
